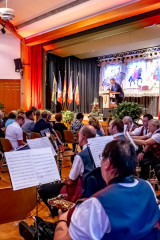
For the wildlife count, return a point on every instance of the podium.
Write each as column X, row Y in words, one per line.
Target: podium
column 108, row 97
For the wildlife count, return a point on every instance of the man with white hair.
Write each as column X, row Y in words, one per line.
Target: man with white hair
column 129, row 124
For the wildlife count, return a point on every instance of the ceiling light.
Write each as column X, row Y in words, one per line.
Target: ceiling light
column 6, row 13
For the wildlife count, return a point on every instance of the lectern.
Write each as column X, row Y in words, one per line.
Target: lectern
column 108, row 98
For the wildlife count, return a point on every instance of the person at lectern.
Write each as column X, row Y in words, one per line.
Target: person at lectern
column 116, row 88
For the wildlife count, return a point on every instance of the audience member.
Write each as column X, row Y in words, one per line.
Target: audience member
column 143, row 130
column 33, row 109
column 14, row 132
column 28, row 126
column 130, row 126
column 42, row 123
column 125, row 209
column 11, row 119
column 116, row 129
column 77, row 124
column 2, row 126
column 82, row 165
column 93, row 121
column 38, row 115
column 59, row 126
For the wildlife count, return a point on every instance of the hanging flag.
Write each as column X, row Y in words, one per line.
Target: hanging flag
column 59, row 92
column 77, row 92
column 54, row 90
column 64, row 89
column 70, row 92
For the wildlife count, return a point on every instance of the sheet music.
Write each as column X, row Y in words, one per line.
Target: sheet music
column 31, row 167
column 21, row 169
column 42, row 142
column 45, row 165
column 97, row 145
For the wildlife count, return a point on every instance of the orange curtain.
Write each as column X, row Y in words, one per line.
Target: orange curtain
column 36, row 91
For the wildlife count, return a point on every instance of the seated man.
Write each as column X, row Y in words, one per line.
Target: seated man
column 82, row 165
column 29, row 122
column 129, row 124
column 150, row 155
column 14, row 132
column 143, row 130
column 42, row 123
column 116, row 129
column 115, row 212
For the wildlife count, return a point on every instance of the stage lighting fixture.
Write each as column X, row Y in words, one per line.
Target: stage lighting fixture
column 3, row 30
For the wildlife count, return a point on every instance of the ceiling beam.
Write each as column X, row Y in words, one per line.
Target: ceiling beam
column 126, row 25
column 131, row 10
column 10, row 27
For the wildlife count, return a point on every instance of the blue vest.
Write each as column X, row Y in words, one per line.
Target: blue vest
column 87, row 161
column 132, row 212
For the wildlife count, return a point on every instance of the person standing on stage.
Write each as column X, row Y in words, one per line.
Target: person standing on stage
column 116, row 88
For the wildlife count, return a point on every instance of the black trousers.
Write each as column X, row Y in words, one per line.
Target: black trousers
column 149, row 160
column 50, row 190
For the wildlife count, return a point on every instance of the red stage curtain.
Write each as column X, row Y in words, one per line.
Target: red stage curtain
column 37, row 100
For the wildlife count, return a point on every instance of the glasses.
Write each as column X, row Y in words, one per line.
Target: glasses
column 100, row 157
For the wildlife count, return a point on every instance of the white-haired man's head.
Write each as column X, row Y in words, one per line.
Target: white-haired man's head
column 127, row 120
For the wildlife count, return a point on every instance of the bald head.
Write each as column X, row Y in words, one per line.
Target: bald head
column 86, row 132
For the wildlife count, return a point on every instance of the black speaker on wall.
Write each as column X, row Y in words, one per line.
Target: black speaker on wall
column 18, row 64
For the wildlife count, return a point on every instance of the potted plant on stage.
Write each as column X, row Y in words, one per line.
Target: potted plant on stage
column 132, row 109
column 95, row 112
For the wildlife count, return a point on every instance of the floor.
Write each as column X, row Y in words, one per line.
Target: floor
column 10, row 231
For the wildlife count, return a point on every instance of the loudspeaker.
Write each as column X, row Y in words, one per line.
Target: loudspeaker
column 18, row 64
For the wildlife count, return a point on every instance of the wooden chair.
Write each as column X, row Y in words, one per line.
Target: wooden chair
column 35, row 135
column 6, row 145
column 24, row 137
column 70, row 139
column 59, row 134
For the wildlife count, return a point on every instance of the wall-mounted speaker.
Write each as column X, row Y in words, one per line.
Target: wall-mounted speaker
column 18, row 64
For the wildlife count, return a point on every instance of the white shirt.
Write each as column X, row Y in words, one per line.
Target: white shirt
column 14, row 133
column 156, row 136
column 95, row 218
column 77, row 167
column 138, row 130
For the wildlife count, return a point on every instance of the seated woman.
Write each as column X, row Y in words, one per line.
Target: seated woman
column 11, row 119
column 59, row 126
column 93, row 121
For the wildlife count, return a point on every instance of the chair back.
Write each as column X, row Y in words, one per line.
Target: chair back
column 35, row 135
column 77, row 136
column 6, row 145
column 69, row 137
column 24, row 137
column 58, row 134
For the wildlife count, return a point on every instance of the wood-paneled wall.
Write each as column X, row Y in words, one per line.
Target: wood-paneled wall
column 10, row 93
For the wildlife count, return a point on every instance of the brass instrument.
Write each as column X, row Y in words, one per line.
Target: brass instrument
column 60, row 203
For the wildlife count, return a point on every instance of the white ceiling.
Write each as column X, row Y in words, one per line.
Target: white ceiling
column 26, row 10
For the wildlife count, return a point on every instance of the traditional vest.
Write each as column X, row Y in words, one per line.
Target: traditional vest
column 156, row 148
column 141, row 133
column 87, row 161
column 132, row 212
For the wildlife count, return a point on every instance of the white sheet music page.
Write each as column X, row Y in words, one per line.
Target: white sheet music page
column 45, row 165
column 96, row 146
column 42, row 142
column 21, row 169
